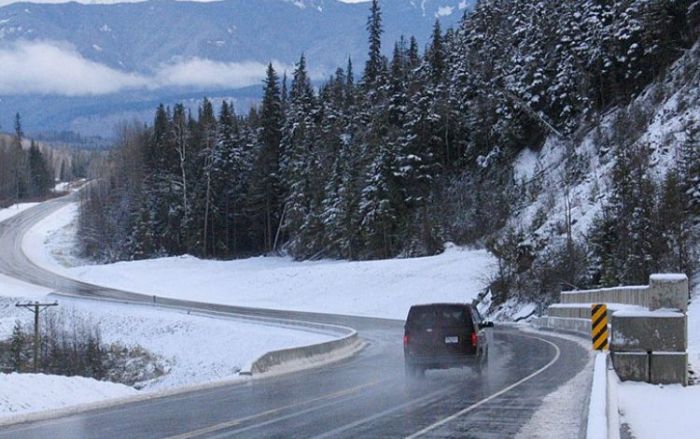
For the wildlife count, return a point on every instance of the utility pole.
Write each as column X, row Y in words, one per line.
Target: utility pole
column 37, row 309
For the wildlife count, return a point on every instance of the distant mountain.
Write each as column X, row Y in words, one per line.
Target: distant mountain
column 142, row 38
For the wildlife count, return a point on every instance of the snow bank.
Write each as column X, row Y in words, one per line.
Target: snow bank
column 373, row 288
column 50, row 244
column 196, row 348
column 597, row 409
column 665, row 411
column 25, row 393
column 659, row 411
column 13, row 210
column 11, row 287
column 694, row 327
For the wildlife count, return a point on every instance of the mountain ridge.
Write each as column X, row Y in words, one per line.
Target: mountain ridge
column 163, row 45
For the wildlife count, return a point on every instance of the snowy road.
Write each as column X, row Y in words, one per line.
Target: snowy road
column 366, row 396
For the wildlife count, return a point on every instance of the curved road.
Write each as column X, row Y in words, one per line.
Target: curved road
column 365, row 396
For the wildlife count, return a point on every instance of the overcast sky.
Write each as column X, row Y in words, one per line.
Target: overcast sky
column 7, row 2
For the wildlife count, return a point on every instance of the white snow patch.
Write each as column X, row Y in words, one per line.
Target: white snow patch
column 668, row 277
column 193, row 348
column 597, row 408
column 444, row 11
column 526, row 164
column 51, row 243
column 25, row 393
column 512, row 310
column 10, row 287
column 694, row 327
column 61, row 187
column 647, row 314
column 659, row 411
column 13, row 210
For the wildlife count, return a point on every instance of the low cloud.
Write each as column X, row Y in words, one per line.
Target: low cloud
column 206, row 73
column 58, row 69
column 50, row 68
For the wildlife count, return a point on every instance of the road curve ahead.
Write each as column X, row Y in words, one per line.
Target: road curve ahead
column 365, row 396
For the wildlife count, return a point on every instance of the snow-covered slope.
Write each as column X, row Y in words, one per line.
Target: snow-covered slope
column 372, row 288
column 661, row 113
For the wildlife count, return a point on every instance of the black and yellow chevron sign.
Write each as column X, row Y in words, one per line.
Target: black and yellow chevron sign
column 599, row 326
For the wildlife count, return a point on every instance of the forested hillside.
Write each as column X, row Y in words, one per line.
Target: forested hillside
column 25, row 172
column 431, row 145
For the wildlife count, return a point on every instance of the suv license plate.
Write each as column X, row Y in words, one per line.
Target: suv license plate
column 451, row 339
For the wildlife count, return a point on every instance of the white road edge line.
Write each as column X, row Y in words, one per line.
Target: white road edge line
column 495, row 395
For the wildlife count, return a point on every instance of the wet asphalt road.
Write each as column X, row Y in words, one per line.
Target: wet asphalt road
column 365, row 396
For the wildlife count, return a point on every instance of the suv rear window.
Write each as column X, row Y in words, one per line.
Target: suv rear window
column 439, row 315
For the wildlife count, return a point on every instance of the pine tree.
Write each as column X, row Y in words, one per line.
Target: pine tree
column 299, row 157
column 17, row 343
column 676, row 226
column 19, row 162
column 267, row 191
column 41, row 177
column 436, row 55
column 374, row 65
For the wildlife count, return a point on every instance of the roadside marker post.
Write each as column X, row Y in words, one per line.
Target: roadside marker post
column 599, row 326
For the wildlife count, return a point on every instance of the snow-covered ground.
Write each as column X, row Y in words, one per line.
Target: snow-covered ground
column 194, row 349
column 26, row 393
column 14, row 210
column 659, row 411
column 665, row 411
column 373, row 288
column 184, row 342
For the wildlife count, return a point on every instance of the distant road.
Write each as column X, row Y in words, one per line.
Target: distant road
column 365, row 396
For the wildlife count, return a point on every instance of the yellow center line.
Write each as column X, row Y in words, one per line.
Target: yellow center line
column 236, row 422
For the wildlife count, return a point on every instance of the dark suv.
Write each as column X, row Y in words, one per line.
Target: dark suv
column 444, row 335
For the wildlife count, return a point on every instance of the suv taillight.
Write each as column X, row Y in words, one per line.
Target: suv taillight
column 475, row 339
column 405, row 340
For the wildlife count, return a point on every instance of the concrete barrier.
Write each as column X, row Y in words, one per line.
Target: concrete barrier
column 652, row 367
column 575, row 326
column 649, row 331
column 632, row 366
column 305, row 355
column 650, row 346
column 669, row 291
column 649, row 326
column 636, row 295
column 583, row 310
column 668, row 368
